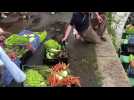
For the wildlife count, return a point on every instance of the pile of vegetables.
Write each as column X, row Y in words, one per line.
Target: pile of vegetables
column 42, row 35
column 60, row 76
column 16, row 40
column 19, row 44
column 57, row 76
column 34, row 79
column 70, row 81
column 19, row 51
column 31, row 37
column 52, row 48
column 130, row 29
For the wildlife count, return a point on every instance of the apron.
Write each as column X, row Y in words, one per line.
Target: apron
column 99, row 27
column 89, row 34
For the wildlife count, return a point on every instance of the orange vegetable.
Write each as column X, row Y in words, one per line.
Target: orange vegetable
column 60, row 67
column 53, row 80
column 69, row 81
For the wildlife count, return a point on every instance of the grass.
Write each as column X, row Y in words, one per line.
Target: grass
column 111, row 31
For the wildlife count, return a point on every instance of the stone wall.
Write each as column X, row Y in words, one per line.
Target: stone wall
column 118, row 22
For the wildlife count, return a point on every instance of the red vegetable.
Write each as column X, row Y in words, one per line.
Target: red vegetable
column 53, row 80
column 69, row 81
column 59, row 67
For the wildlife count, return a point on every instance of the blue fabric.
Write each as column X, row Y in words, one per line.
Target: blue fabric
column 7, row 77
column 25, row 32
column 36, row 42
column 16, row 72
column 130, row 71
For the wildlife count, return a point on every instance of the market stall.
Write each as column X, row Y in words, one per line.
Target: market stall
column 126, row 51
column 54, row 71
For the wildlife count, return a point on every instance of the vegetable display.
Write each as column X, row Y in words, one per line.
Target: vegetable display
column 53, row 80
column 20, row 51
column 52, row 44
column 60, row 76
column 60, row 67
column 131, row 57
column 34, row 79
column 16, row 40
column 52, row 48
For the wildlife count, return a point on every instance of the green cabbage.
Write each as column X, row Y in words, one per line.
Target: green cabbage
column 34, row 79
column 16, row 40
column 52, row 44
column 42, row 35
column 52, row 48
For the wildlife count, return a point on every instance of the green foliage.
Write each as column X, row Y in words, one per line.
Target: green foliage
column 111, row 31
column 16, row 40
column 34, row 79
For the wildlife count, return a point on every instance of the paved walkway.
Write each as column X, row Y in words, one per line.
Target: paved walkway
column 110, row 66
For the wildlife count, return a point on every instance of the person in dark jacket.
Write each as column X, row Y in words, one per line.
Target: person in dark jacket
column 82, row 24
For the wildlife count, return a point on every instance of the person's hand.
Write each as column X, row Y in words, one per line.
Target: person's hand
column 77, row 36
column 64, row 39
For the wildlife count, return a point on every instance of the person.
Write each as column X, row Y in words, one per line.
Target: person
column 100, row 26
column 82, row 25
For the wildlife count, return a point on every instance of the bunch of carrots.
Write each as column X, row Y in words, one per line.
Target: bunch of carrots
column 59, row 67
column 68, row 81
column 53, row 80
